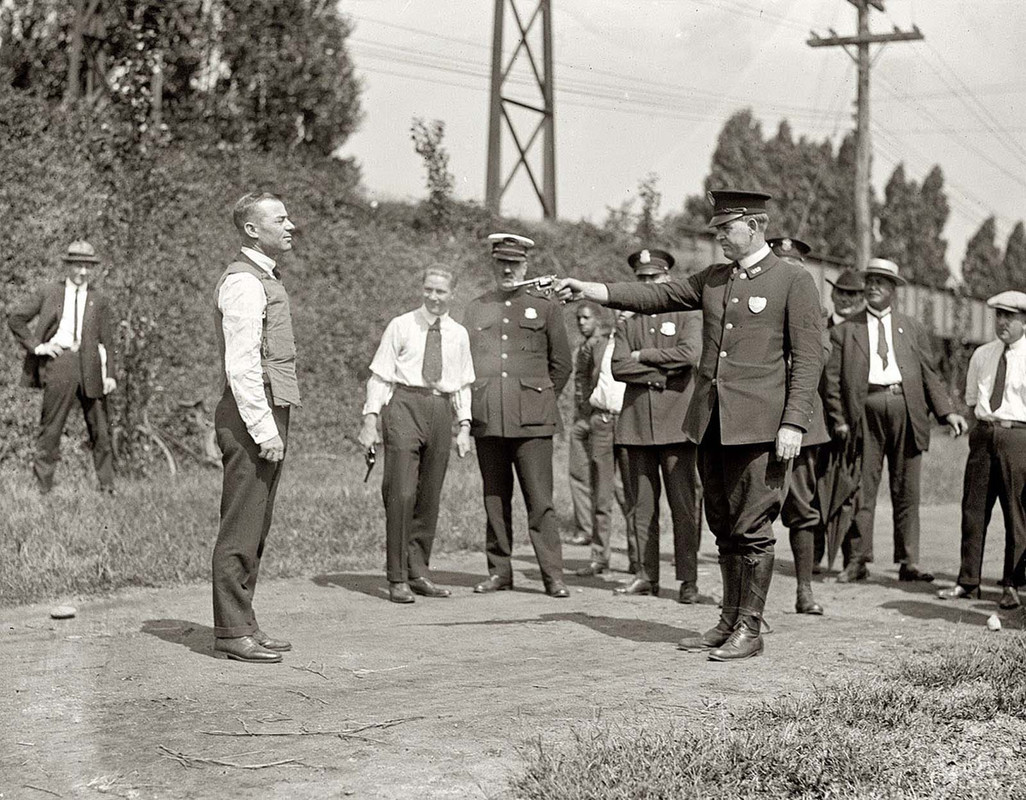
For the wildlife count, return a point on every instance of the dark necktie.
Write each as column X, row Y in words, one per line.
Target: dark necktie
column 997, row 394
column 432, row 370
column 75, row 318
column 881, row 341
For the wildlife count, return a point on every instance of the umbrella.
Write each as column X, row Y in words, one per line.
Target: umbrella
column 838, row 489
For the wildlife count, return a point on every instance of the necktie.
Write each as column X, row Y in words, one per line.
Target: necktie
column 881, row 341
column 432, row 369
column 75, row 320
column 997, row 394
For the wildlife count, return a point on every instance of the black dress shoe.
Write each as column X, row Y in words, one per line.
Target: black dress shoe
column 910, row 572
column 958, row 592
column 638, row 586
column 265, row 641
column 855, row 571
column 426, row 588
column 557, row 589
column 245, row 648
column 494, row 583
column 400, row 592
column 1009, row 598
column 688, row 593
column 594, row 568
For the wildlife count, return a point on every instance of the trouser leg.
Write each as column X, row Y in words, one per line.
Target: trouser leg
column 980, row 487
column 873, row 445
column 904, row 465
column 1011, row 455
column 247, row 505
column 403, row 443
column 95, row 411
column 646, row 489
column 495, row 460
column 59, row 393
column 679, row 464
column 533, row 463
column 434, row 462
column 602, row 485
column 579, row 468
column 627, row 501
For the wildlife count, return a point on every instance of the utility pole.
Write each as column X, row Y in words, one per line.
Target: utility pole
column 863, row 146
column 500, row 104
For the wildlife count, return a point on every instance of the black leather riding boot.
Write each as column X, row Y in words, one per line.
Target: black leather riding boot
column 730, row 571
column 746, row 640
column 803, row 548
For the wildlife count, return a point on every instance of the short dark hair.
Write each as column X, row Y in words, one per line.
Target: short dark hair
column 440, row 271
column 244, row 207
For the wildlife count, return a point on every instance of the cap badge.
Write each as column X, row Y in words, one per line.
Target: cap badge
column 756, row 304
column 785, row 244
column 668, row 328
column 530, row 313
column 645, row 257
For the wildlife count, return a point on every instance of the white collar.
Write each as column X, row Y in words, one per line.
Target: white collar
column 262, row 260
column 879, row 314
column 1017, row 346
column 429, row 317
column 68, row 284
column 752, row 259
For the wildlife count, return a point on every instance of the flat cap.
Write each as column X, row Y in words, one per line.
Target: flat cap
column 788, row 247
column 888, row 269
column 729, row 205
column 850, row 280
column 650, row 262
column 510, row 246
column 81, row 250
column 1009, row 301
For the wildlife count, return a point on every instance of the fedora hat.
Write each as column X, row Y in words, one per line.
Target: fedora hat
column 849, row 280
column 81, row 251
column 888, row 269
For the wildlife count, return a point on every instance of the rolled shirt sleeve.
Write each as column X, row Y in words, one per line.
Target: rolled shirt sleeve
column 242, row 302
column 466, row 376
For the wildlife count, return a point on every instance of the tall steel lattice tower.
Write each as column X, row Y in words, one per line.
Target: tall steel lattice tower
column 539, row 23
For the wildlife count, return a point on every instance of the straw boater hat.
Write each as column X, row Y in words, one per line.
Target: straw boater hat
column 81, row 251
column 881, row 266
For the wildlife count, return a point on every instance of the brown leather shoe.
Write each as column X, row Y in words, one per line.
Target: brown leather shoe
column 245, row 648
column 494, row 583
column 958, row 592
column 1009, row 598
column 400, row 592
column 594, row 568
column 265, row 641
column 426, row 588
column 910, row 572
column 639, row 587
column 688, row 594
column 855, row 571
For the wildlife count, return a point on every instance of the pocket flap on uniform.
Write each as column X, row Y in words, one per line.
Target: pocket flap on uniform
column 484, row 325
column 535, row 324
column 479, row 384
column 537, row 384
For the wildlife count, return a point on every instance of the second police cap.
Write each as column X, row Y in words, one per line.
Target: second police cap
column 1010, row 300
column 729, row 204
column 650, row 262
column 510, row 246
column 788, row 247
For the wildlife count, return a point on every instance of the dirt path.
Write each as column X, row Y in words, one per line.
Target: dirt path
column 452, row 688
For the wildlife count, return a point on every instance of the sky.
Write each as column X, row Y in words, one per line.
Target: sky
column 644, row 86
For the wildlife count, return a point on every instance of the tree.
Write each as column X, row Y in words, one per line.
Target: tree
column 1014, row 261
column 648, row 227
column 837, row 227
column 911, row 220
column 929, row 264
column 982, row 270
column 428, row 142
column 897, row 220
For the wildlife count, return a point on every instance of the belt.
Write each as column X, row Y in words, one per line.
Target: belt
column 425, row 390
column 1003, row 423
column 893, row 388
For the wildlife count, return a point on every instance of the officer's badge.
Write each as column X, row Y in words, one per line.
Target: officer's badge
column 530, row 313
column 786, row 245
column 645, row 257
column 756, row 304
column 667, row 328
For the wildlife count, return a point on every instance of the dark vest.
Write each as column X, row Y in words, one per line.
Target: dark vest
column 278, row 347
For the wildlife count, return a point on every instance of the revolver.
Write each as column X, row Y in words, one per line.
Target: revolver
column 369, row 457
column 543, row 282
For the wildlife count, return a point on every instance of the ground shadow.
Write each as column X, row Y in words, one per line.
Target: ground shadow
column 957, row 612
column 634, row 630
column 375, row 585
column 198, row 638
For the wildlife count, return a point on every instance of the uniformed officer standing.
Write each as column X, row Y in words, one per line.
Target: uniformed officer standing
column 522, row 362
column 761, row 360
column 656, row 356
column 995, row 388
column 801, row 512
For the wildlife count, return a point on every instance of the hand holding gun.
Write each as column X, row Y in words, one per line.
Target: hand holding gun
column 370, row 458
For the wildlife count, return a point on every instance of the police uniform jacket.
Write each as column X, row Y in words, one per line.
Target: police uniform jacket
column 848, row 374
column 661, row 382
column 522, row 362
column 762, row 349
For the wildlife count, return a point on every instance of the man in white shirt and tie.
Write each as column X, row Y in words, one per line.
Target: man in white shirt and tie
column 70, row 356
column 881, row 376
column 995, row 388
column 420, row 379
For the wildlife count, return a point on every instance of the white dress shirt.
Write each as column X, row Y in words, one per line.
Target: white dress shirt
column 242, row 303
column 752, row 259
column 979, row 381
column 877, row 373
column 70, row 325
column 400, row 359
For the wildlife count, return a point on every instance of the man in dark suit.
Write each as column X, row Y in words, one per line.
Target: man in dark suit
column 761, row 361
column 522, row 362
column 258, row 360
column 71, row 356
column 881, row 380
column 656, row 356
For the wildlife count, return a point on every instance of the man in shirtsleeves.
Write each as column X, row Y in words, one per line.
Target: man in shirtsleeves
column 254, row 333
